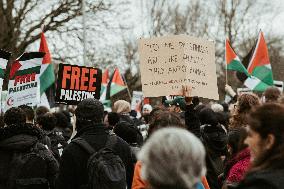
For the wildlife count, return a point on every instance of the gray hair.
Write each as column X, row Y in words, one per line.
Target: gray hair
column 172, row 158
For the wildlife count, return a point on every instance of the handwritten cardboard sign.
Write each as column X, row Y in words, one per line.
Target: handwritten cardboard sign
column 76, row 83
column 167, row 63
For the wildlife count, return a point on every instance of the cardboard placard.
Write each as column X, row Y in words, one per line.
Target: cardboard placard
column 167, row 63
column 76, row 83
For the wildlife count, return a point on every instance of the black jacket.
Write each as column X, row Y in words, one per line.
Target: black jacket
column 191, row 120
column 20, row 139
column 267, row 179
column 73, row 172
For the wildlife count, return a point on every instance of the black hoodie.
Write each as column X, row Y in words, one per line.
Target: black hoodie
column 20, row 139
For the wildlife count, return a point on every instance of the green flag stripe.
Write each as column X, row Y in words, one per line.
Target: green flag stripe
column 47, row 78
column 237, row 66
column 116, row 89
column 261, row 87
column 264, row 74
column 27, row 71
column 2, row 73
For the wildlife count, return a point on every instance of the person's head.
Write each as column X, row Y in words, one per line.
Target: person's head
column 217, row 107
column 41, row 110
column 126, row 131
column 89, row 112
column 112, row 119
column 177, row 105
column 146, row 110
column 245, row 103
column 236, row 138
column 14, row 116
column 133, row 113
column 266, row 136
column 165, row 119
column 46, row 121
column 172, row 158
column 30, row 114
column 208, row 116
column 272, row 94
column 121, row 107
column 61, row 120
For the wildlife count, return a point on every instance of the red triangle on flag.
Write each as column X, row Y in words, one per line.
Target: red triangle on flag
column 44, row 48
column 15, row 67
column 260, row 56
column 117, row 79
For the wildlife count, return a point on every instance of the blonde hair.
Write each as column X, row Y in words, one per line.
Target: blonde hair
column 121, row 106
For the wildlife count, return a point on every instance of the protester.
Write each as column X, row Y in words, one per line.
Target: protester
column 24, row 161
column 63, row 126
column 271, row 94
column 146, row 110
column 112, row 119
column 160, row 119
column 90, row 128
column 54, row 141
column 40, row 111
column 177, row 105
column 173, row 158
column 237, row 162
column 242, row 108
column 30, row 114
column 265, row 141
column 214, row 139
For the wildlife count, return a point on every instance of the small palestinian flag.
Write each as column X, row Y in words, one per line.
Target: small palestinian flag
column 24, row 83
column 260, row 67
column 233, row 61
column 4, row 58
column 117, row 83
column 105, row 80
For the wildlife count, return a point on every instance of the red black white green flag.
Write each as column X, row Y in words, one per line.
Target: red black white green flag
column 24, row 83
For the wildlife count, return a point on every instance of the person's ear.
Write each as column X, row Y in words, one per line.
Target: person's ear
column 269, row 142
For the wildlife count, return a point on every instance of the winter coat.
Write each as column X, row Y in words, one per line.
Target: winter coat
column 21, row 139
column 73, row 172
column 237, row 166
column 264, row 179
column 139, row 183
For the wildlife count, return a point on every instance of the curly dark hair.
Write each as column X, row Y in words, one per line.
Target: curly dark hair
column 30, row 114
column 14, row 116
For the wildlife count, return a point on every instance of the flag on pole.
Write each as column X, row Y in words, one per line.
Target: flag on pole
column 117, row 83
column 47, row 77
column 260, row 67
column 23, row 87
column 233, row 61
column 4, row 58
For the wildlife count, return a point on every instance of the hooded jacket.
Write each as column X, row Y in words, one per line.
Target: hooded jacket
column 73, row 167
column 17, row 139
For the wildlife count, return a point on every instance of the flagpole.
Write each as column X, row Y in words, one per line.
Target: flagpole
column 226, row 71
column 84, row 32
column 126, row 86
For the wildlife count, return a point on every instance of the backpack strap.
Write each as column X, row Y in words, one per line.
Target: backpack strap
column 85, row 145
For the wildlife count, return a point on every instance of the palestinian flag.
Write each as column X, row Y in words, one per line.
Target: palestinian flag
column 233, row 61
column 24, row 83
column 4, row 58
column 47, row 77
column 260, row 67
column 117, row 83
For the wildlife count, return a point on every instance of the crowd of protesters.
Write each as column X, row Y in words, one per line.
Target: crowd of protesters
column 179, row 144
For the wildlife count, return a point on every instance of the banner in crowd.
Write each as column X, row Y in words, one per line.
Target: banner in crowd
column 4, row 58
column 167, row 63
column 136, row 101
column 76, row 83
column 24, row 83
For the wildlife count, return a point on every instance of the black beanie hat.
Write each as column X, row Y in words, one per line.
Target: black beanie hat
column 90, row 109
